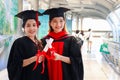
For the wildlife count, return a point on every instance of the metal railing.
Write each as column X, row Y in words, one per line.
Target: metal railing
column 114, row 57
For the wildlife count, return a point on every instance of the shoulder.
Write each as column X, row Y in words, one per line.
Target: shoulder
column 19, row 40
column 71, row 37
column 44, row 38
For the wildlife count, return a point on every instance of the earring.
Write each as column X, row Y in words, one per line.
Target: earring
column 23, row 29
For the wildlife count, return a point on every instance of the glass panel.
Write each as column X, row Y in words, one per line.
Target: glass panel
column 115, row 21
column 118, row 26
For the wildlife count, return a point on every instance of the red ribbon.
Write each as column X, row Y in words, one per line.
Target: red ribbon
column 37, row 61
column 48, row 55
column 37, row 20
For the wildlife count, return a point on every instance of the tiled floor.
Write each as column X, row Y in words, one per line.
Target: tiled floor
column 95, row 66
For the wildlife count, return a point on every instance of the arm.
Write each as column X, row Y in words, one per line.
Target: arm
column 62, row 58
column 28, row 61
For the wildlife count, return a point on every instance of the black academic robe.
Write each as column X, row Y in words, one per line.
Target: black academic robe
column 21, row 49
column 67, row 46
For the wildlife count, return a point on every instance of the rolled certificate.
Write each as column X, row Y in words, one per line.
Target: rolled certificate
column 48, row 45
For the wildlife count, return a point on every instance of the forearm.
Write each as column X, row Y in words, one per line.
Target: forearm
column 64, row 59
column 28, row 61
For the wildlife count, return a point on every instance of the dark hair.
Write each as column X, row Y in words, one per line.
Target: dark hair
column 82, row 33
column 77, row 31
column 89, row 29
column 39, row 44
column 24, row 22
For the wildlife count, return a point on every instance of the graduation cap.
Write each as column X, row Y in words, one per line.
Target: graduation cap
column 29, row 14
column 56, row 12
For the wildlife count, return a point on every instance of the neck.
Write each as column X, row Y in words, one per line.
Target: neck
column 56, row 31
column 32, row 38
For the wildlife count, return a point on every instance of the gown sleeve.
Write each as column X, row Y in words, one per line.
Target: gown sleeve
column 15, row 61
column 76, row 60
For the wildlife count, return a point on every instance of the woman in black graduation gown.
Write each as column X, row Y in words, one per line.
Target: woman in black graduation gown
column 67, row 62
column 23, row 52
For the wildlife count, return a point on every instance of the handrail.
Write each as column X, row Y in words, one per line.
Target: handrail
column 108, row 40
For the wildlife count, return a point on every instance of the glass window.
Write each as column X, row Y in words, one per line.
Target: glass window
column 74, row 24
column 115, row 21
column 118, row 26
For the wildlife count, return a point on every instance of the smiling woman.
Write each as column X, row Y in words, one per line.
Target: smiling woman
column 24, row 49
column 67, row 62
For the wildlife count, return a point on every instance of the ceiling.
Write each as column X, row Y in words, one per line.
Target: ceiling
column 83, row 8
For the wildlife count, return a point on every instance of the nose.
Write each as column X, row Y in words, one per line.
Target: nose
column 32, row 27
column 58, row 24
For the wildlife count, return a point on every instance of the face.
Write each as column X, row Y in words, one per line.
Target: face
column 31, row 28
column 57, row 24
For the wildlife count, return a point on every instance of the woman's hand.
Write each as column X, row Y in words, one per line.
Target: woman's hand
column 41, row 58
column 57, row 56
column 62, row 58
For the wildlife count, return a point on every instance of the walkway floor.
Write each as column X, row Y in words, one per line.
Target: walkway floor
column 95, row 66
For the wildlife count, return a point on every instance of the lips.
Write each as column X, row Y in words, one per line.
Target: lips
column 58, row 27
column 31, row 32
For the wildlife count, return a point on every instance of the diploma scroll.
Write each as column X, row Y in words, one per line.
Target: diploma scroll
column 48, row 45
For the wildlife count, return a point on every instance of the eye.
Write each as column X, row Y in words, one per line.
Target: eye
column 61, row 20
column 54, row 21
column 34, row 25
column 28, row 25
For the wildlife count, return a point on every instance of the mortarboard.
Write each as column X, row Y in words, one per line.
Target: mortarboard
column 28, row 14
column 56, row 12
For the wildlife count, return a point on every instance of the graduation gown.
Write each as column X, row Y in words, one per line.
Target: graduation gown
column 21, row 49
column 65, row 45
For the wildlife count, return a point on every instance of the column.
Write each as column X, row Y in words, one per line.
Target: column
column 19, row 26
